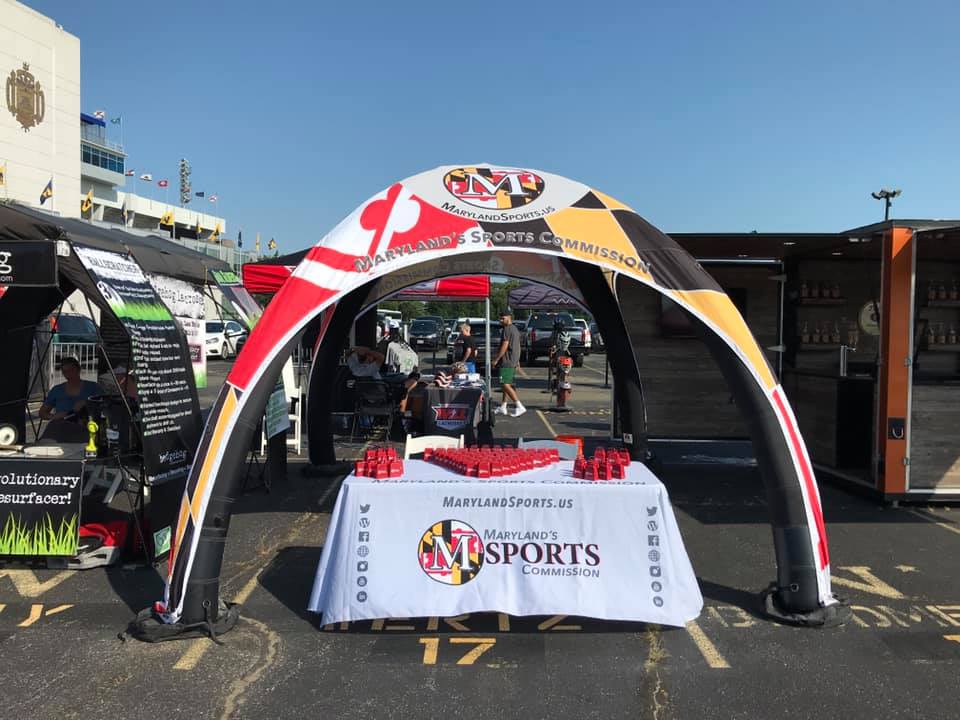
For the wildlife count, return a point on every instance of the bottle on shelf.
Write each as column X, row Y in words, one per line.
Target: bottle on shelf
column 931, row 336
column 805, row 333
column 835, row 290
column 815, row 338
column 835, row 336
column 941, row 334
column 815, row 290
column 952, row 335
column 942, row 292
column 932, row 290
column 804, row 290
column 954, row 290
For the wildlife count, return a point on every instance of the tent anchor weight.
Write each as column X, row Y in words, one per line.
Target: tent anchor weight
column 148, row 626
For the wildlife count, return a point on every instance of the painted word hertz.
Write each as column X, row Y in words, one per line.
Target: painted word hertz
column 478, row 237
column 452, row 552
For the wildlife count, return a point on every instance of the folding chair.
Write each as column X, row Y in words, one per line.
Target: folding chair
column 374, row 399
column 416, row 445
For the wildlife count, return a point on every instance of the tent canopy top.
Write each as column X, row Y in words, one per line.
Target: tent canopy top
column 153, row 253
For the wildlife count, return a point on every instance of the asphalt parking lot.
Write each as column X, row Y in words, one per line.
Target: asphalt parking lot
column 897, row 657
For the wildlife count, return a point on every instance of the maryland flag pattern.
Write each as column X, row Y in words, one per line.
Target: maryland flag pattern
column 451, row 552
column 494, row 188
column 456, row 210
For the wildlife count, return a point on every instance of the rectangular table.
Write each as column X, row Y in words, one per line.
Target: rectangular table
column 434, row 543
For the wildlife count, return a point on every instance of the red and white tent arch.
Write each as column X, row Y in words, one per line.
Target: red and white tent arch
column 450, row 214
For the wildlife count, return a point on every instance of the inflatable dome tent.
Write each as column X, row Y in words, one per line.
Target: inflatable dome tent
column 451, row 220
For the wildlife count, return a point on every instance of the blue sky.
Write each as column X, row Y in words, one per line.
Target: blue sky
column 703, row 116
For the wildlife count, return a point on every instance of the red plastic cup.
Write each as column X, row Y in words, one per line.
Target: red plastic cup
column 361, row 469
column 396, row 468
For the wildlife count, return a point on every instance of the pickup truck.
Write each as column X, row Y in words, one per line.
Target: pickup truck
column 540, row 332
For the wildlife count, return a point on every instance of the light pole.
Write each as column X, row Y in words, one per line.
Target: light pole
column 887, row 196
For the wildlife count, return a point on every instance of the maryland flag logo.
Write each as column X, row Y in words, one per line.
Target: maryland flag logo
column 494, row 188
column 167, row 218
column 451, row 552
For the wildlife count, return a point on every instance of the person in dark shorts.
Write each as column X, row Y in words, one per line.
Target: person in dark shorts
column 508, row 358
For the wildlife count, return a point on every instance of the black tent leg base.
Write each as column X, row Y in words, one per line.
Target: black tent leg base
column 820, row 617
column 148, row 626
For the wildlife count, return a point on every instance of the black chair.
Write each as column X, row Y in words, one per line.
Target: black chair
column 374, row 398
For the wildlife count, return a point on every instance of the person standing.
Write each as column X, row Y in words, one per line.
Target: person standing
column 508, row 357
column 468, row 348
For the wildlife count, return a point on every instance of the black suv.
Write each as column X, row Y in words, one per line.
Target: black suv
column 426, row 334
column 478, row 331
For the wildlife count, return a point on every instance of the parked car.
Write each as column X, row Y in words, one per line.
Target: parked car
column 70, row 328
column 224, row 338
column 426, row 333
column 478, row 330
column 540, row 333
column 587, row 335
column 597, row 337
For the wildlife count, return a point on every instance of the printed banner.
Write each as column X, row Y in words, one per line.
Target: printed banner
column 28, row 263
column 437, row 544
column 39, row 506
column 169, row 407
column 453, row 411
column 186, row 303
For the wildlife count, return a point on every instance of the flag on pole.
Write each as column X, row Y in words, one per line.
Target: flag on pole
column 47, row 192
column 272, row 245
column 147, row 176
column 213, row 198
column 239, row 238
column 162, row 183
column 257, row 245
column 130, row 173
column 123, row 211
column 87, row 204
column 100, row 115
column 200, row 193
column 215, row 235
column 3, row 175
column 199, row 227
column 167, row 218
column 117, row 120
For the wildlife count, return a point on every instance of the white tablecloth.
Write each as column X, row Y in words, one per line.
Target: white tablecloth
column 435, row 543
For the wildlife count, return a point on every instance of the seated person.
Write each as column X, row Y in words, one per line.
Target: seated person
column 398, row 356
column 365, row 362
column 68, row 400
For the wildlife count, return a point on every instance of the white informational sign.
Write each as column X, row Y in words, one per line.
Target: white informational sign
column 186, row 303
column 437, row 544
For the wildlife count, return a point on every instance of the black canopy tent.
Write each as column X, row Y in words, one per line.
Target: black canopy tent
column 24, row 307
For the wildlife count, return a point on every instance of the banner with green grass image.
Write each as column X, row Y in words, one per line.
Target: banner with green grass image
column 39, row 506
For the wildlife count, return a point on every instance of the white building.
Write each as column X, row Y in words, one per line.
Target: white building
column 45, row 137
column 103, row 169
column 40, row 115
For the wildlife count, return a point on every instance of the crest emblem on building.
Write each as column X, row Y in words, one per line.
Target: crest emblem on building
column 25, row 99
